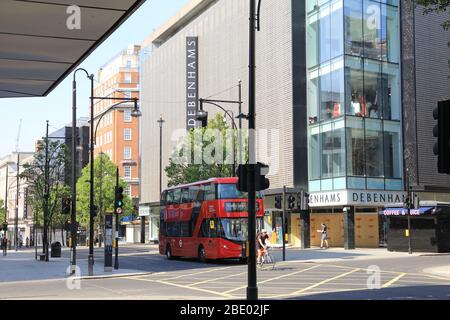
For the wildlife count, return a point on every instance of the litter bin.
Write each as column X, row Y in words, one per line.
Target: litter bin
column 56, row 250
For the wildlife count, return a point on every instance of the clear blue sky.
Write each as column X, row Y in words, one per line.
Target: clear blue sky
column 57, row 106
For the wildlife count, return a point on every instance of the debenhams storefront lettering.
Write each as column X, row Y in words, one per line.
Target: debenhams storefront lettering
column 356, row 198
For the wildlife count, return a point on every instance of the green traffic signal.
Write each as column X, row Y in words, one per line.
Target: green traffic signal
column 119, row 197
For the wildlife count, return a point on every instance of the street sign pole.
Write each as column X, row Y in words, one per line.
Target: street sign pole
column 116, row 251
column 108, row 242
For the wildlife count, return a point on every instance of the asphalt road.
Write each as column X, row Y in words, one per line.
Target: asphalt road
column 390, row 279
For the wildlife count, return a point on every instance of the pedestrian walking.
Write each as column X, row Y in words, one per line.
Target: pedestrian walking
column 27, row 242
column 4, row 245
column 323, row 238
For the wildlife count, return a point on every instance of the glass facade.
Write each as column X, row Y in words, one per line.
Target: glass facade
column 354, row 110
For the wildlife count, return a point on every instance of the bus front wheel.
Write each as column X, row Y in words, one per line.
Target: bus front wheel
column 169, row 252
column 201, row 254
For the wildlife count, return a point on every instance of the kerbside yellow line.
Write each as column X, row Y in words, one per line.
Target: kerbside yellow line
column 276, row 278
column 390, row 283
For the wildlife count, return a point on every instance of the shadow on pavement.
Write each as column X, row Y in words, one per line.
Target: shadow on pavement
column 395, row 293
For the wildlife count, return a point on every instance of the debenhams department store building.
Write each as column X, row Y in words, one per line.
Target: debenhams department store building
column 330, row 84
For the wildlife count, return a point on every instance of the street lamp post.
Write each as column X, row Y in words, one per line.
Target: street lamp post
column 161, row 122
column 135, row 113
column 203, row 113
column 46, row 195
column 73, row 175
column 91, row 189
column 16, row 218
column 252, row 288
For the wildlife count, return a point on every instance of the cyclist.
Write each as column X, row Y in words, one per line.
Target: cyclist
column 262, row 240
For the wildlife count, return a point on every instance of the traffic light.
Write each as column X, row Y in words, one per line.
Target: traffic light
column 262, row 183
column 5, row 226
column 94, row 211
column 442, row 132
column 66, row 205
column 278, row 200
column 119, row 200
column 202, row 116
column 303, row 200
column 242, row 178
column 416, row 201
column 67, row 226
column 291, row 202
column 407, row 203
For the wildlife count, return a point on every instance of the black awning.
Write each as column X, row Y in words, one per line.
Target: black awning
column 38, row 50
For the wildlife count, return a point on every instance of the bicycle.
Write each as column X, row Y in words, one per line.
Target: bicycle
column 266, row 260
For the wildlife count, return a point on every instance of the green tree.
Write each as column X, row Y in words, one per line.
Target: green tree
column 2, row 212
column 436, row 6
column 104, row 192
column 182, row 166
column 34, row 173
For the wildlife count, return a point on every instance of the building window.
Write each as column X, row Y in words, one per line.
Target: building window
column 127, row 78
column 127, row 153
column 127, row 171
column 127, row 116
column 127, row 134
column 128, row 190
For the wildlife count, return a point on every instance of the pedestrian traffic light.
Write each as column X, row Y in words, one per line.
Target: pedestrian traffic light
column 442, row 132
column 291, row 202
column 5, row 226
column 66, row 205
column 278, row 200
column 119, row 200
column 261, row 170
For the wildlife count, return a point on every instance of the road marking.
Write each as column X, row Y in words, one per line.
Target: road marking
column 326, row 281
column 195, row 273
column 187, row 287
column 276, row 278
column 388, row 284
column 215, row 279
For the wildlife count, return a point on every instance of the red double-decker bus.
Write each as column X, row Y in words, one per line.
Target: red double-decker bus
column 206, row 220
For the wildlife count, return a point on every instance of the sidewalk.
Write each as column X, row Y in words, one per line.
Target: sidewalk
column 313, row 255
column 22, row 266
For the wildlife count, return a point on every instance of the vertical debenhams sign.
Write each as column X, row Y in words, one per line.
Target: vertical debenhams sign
column 191, row 81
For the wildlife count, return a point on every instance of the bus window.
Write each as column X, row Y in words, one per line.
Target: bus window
column 194, row 193
column 163, row 198
column 173, row 229
column 210, row 191
column 176, row 196
column 209, row 228
column 169, row 197
column 185, row 229
column 230, row 191
column 185, row 196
